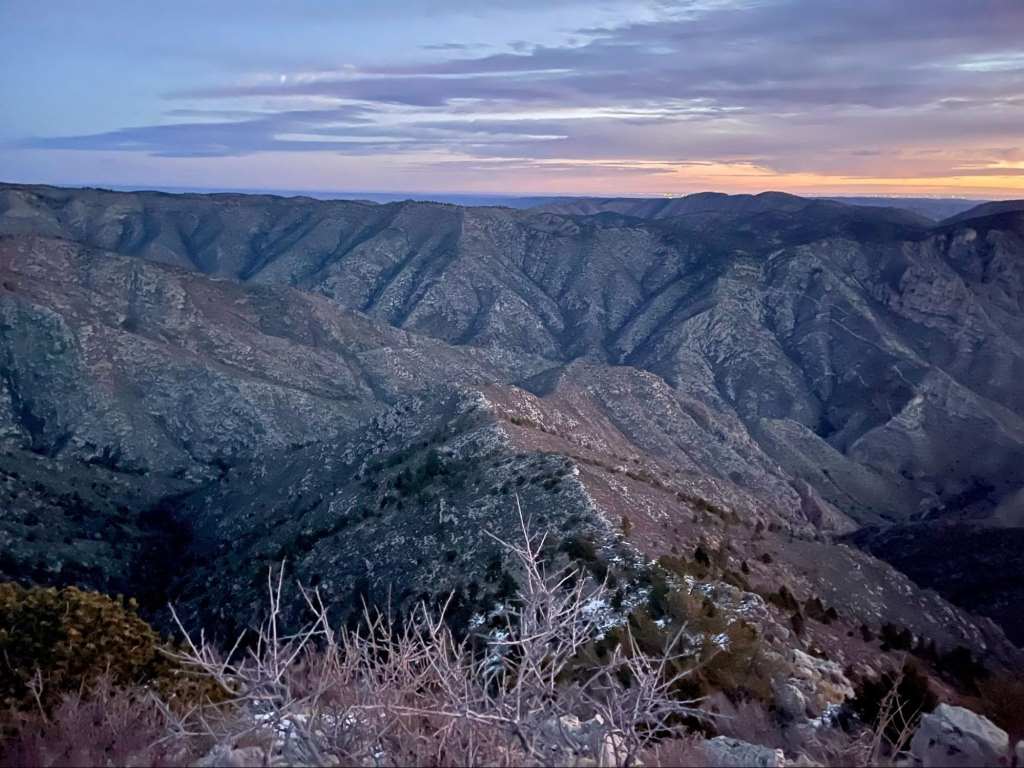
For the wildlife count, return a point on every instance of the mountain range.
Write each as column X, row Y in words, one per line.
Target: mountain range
column 196, row 386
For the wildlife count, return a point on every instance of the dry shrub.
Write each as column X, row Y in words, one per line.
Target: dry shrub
column 106, row 726
column 892, row 706
column 897, row 698
column 1001, row 699
column 747, row 720
column 534, row 688
column 678, row 753
column 412, row 693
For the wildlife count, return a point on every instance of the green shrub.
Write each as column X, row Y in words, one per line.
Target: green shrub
column 798, row 622
column 896, row 638
column 739, row 669
column 783, row 599
column 913, row 697
column 815, row 609
column 584, row 551
column 960, row 666
column 1001, row 699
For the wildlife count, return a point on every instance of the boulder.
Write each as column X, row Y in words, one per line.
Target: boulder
column 584, row 744
column 954, row 736
column 723, row 752
column 790, row 700
column 821, row 681
column 1018, row 754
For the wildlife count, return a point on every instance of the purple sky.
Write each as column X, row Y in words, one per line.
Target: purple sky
column 567, row 97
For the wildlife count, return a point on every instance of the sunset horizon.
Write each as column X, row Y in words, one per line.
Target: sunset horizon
column 567, row 98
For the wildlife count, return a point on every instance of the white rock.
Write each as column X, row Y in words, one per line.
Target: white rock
column 951, row 737
column 1018, row 753
column 723, row 752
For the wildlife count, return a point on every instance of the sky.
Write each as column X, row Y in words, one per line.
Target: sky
column 532, row 97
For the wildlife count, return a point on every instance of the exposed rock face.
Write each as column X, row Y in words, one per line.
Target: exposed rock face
column 138, row 367
column 404, row 511
column 874, row 358
column 755, row 373
column 955, row 737
column 724, row 752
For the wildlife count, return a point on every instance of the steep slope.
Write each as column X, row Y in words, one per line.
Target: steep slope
column 975, row 567
column 407, row 510
column 842, row 337
column 130, row 386
column 148, row 369
column 401, row 511
column 805, row 364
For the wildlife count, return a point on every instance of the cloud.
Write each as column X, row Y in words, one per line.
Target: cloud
column 793, row 86
column 454, row 46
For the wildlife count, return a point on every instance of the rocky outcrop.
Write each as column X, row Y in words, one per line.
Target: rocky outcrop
column 404, row 510
column 823, row 679
column 955, row 737
column 724, row 752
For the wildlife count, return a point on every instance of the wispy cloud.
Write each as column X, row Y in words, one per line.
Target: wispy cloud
column 824, row 87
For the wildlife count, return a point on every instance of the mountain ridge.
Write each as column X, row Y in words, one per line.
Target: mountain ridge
column 809, row 366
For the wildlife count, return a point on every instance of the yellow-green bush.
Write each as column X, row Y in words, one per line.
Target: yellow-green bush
column 734, row 664
column 68, row 638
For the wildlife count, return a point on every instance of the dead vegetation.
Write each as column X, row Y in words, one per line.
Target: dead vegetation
column 544, row 679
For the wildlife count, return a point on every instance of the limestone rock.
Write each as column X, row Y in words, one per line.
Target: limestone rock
column 809, row 366
column 822, row 679
column 954, row 736
column 724, row 752
column 790, row 700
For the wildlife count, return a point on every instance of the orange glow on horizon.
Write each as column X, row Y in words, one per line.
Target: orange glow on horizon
column 615, row 177
column 463, row 174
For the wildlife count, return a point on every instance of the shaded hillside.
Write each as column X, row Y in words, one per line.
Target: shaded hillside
column 976, row 568
column 934, row 208
column 987, row 209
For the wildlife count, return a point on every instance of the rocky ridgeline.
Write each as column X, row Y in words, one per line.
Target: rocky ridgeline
column 870, row 354
column 403, row 511
column 226, row 383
